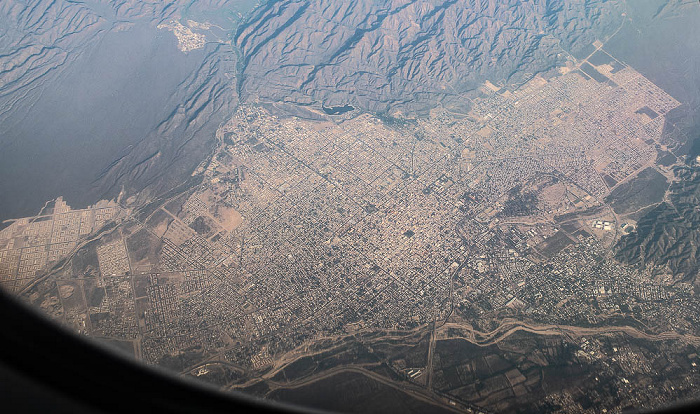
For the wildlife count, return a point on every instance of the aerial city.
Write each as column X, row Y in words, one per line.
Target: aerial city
column 475, row 206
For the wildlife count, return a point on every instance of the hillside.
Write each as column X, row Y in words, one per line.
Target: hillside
column 408, row 55
column 669, row 234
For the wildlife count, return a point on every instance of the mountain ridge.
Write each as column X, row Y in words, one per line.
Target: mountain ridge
column 382, row 56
